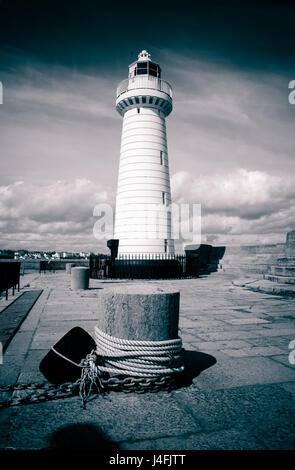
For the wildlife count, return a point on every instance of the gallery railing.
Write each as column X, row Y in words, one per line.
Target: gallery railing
column 145, row 82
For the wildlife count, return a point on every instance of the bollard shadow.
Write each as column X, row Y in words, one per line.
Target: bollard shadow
column 195, row 362
column 80, row 437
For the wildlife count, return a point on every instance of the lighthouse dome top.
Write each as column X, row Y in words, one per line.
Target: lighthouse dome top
column 143, row 56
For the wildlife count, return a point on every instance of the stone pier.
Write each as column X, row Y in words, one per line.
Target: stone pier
column 241, row 392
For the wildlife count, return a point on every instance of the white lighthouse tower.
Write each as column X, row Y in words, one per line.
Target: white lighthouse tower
column 143, row 222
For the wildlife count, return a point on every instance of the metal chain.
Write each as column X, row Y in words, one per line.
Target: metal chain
column 45, row 391
column 37, row 393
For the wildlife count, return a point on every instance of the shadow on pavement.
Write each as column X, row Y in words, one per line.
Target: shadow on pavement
column 80, row 437
column 194, row 363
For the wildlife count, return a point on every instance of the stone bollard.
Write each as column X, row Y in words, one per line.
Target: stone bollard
column 79, row 278
column 69, row 266
column 140, row 312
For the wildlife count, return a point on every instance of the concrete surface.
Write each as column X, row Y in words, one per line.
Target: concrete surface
column 242, row 391
column 269, row 285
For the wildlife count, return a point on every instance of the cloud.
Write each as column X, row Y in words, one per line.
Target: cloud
column 224, row 118
column 243, row 193
column 54, row 216
column 240, row 204
column 230, row 139
column 58, row 123
column 241, row 207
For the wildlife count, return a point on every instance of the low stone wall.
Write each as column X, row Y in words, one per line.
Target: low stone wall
column 262, row 260
column 254, row 259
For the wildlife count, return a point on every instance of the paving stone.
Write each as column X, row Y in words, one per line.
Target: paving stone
column 65, row 319
column 10, row 369
column 120, row 418
column 238, row 372
column 20, row 343
column 284, row 359
column 45, row 341
column 289, row 387
column 223, row 440
column 64, row 309
column 33, row 359
column 290, row 332
column 281, row 325
column 34, row 377
column 186, row 337
column 259, row 410
column 245, row 321
column 281, row 341
column 31, row 322
column 254, row 351
column 228, row 335
column 215, row 345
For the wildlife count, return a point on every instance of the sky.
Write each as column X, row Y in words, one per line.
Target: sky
column 230, row 135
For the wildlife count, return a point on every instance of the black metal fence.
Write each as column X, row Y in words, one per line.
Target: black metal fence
column 47, row 266
column 9, row 276
column 99, row 266
column 148, row 266
column 139, row 266
column 58, row 265
column 203, row 260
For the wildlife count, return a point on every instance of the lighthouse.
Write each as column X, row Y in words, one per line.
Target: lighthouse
column 143, row 221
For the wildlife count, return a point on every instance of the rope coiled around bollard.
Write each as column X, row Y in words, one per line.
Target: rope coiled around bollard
column 138, row 358
column 132, row 358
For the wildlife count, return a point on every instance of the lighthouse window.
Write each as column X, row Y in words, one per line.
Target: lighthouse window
column 138, row 110
column 157, row 101
column 137, row 99
column 147, row 68
column 151, row 99
column 161, row 157
column 143, row 98
column 165, row 244
column 154, row 70
column 164, row 197
column 141, row 68
column 130, row 101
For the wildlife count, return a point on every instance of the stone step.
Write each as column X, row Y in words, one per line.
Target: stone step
column 280, row 270
column 280, row 279
column 251, row 269
column 286, row 261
